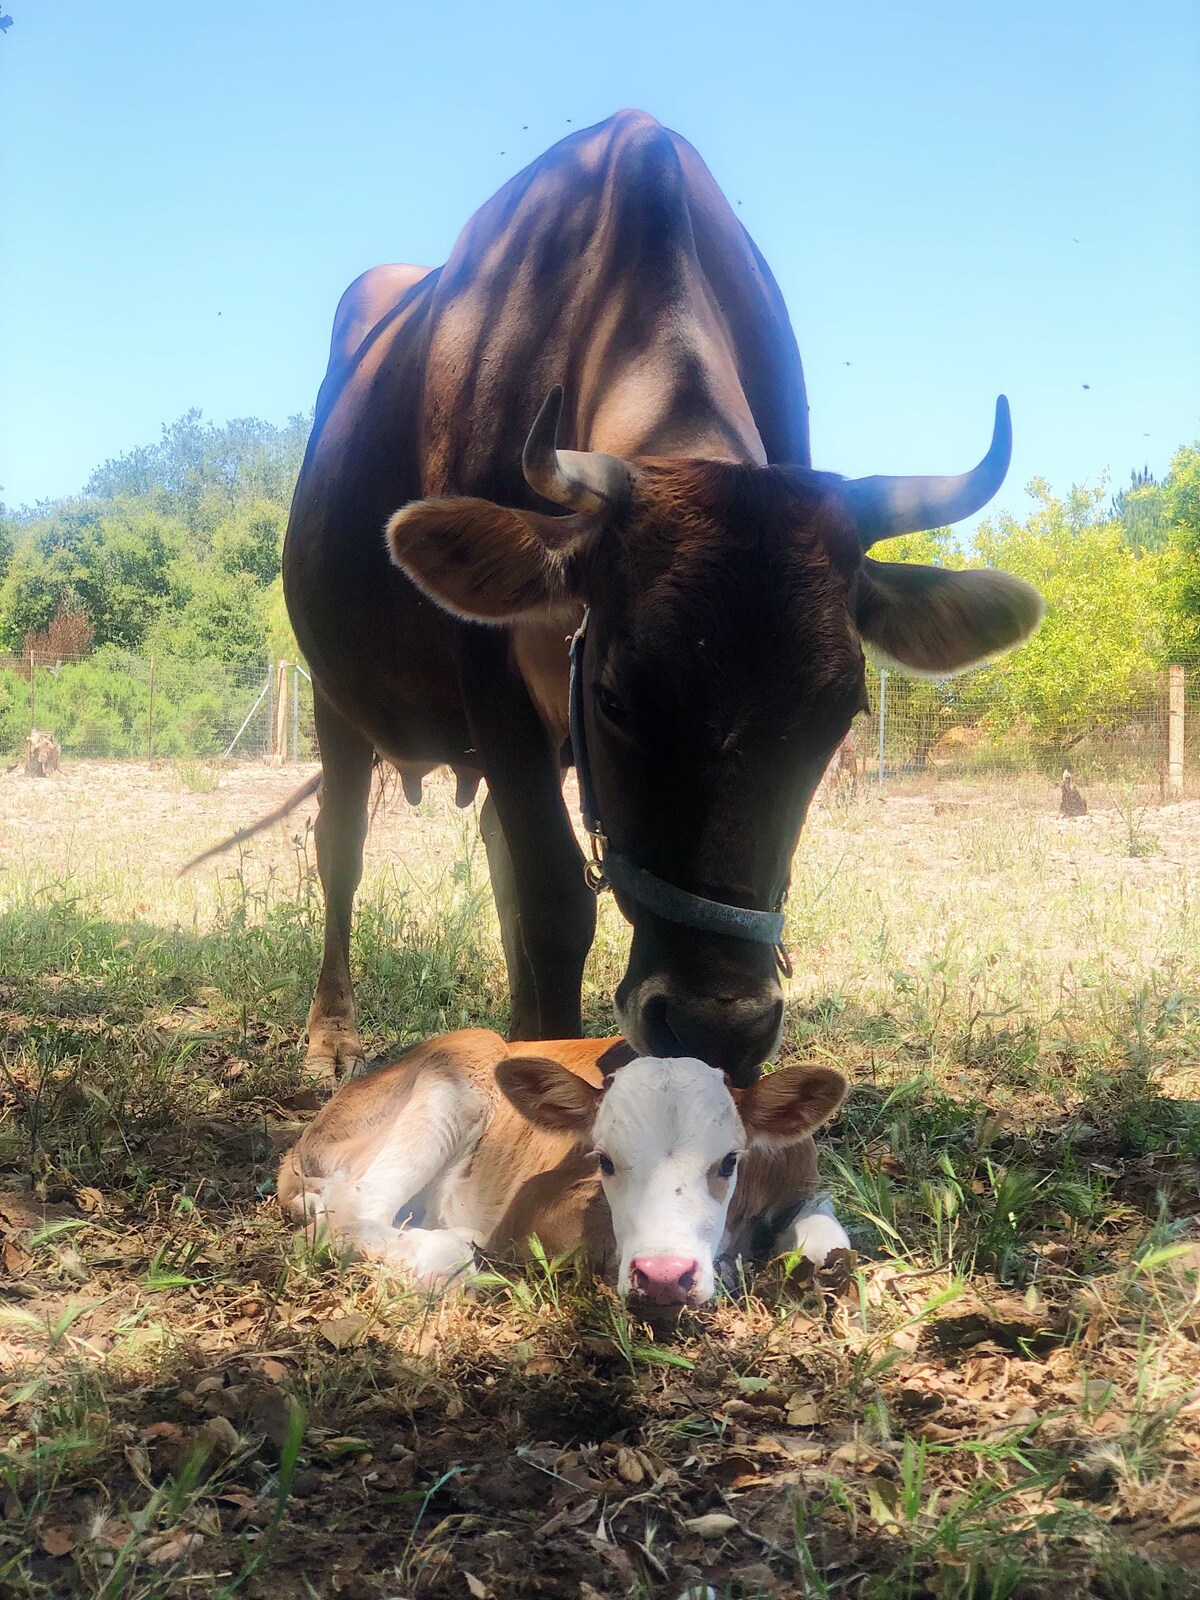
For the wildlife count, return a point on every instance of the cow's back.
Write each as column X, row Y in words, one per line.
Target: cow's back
column 612, row 265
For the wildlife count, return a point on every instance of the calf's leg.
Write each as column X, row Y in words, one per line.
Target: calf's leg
column 334, row 1048
column 373, row 1187
column 814, row 1233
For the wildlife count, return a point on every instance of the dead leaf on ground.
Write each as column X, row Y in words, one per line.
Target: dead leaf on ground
column 342, row 1331
column 802, row 1410
column 1186, row 1515
column 57, row 1540
column 170, row 1548
column 712, row 1525
column 16, row 1260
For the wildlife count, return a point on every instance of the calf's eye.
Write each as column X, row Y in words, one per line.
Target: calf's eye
column 606, row 1166
column 728, row 1166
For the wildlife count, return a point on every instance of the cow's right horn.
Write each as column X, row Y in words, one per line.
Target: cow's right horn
column 581, row 480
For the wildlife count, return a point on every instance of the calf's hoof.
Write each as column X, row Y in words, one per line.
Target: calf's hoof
column 818, row 1236
column 438, row 1260
column 334, row 1052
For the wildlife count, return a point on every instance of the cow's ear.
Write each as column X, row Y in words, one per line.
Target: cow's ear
column 929, row 620
column 487, row 562
column 547, row 1095
column 790, row 1103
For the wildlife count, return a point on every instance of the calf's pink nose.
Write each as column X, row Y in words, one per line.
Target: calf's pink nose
column 664, row 1280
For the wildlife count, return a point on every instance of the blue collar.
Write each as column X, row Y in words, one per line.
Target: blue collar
column 609, row 869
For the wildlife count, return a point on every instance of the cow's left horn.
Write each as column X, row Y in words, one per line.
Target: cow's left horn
column 581, row 480
column 885, row 507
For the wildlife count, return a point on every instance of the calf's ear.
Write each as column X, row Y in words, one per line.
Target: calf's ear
column 547, row 1095
column 929, row 620
column 487, row 562
column 790, row 1103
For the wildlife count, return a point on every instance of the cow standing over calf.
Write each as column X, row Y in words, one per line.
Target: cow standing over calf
column 666, row 491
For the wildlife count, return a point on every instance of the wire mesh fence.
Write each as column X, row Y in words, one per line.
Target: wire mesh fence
column 967, row 728
column 115, row 705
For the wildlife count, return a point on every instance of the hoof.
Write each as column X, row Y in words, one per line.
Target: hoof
column 334, row 1053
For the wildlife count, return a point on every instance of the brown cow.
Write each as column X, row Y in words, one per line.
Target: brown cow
column 726, row 583
column 658, row 1169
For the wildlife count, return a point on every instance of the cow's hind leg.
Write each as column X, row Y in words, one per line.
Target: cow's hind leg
column 334, row 1048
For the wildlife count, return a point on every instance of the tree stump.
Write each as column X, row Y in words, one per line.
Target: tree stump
column 42, row 755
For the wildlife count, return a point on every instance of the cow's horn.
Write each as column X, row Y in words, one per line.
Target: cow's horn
column 581, row 480
column 885, row 507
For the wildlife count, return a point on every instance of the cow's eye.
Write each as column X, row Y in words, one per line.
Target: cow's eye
column 606, row 1166
column 609, row 703
column 728, row 1166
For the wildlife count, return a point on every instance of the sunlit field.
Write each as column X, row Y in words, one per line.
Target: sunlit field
column 998, row 1397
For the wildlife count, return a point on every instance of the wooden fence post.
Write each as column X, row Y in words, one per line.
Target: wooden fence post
column 1175, row 716
column 150, row 716
column 32, row 692
column 280, row 722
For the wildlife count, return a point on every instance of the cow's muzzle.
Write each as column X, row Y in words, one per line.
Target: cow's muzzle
column 736, row 1034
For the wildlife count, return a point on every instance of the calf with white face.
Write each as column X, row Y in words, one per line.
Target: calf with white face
column 671, row 1142
column 659, row 1169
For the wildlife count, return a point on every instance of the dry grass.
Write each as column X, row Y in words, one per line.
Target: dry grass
column 1003, row 1400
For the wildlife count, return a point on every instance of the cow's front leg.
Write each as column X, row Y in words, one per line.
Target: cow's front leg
column 545, row 907
column 524, row 1022
column 334, row 1048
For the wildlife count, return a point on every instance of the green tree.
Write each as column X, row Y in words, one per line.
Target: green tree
column 1093, row 659
column 1181, row 496
column 7, row 542
column 212, row 613
column 250, row 540
column 114, row 563
column 201, row 472
column 174, row 547
column 1141, row 509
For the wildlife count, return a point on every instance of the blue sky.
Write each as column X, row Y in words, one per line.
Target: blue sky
column 957, row 199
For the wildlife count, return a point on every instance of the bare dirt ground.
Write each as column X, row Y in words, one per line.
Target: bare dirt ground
column 131, row 815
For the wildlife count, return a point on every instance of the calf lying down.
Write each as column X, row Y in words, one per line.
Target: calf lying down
column 657, row 1167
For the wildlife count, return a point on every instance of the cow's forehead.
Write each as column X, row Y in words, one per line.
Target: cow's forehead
column 657, row 1105
column 730, row 577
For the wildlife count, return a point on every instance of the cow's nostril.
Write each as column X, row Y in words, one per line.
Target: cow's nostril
column 661, row 1038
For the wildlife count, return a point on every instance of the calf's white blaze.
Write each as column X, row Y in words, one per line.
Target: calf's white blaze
column 666, row 1126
